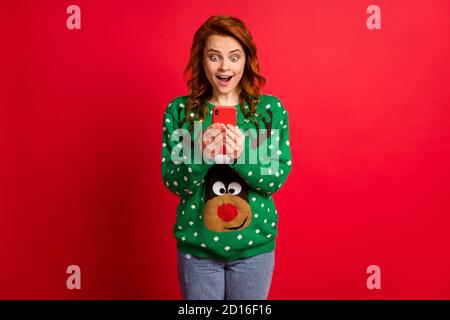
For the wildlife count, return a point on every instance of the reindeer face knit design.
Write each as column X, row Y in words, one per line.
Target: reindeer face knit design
column 226, row 211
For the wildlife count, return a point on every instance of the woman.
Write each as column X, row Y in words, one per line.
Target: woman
column 226, row 218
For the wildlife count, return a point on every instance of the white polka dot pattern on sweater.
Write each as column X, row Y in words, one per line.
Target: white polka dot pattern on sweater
column 187, row 180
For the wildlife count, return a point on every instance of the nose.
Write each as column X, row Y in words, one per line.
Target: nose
column 224, row 65
column 227, row 212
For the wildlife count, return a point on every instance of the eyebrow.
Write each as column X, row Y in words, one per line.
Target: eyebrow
column 219, row 51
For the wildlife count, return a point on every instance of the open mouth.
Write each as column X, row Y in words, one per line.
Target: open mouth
column 235, row 228
column 224, row 79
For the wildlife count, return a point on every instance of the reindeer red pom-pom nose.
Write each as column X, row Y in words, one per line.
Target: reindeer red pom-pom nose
column 227, row 212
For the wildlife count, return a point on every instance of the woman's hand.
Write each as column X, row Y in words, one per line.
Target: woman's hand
column 213, row 140
column 216, row 135
column 234, row 141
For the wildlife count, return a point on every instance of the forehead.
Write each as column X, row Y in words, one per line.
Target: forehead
column 224, row 173
column 224, row 44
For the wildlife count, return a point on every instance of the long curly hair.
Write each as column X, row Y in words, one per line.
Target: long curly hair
column 200, row 89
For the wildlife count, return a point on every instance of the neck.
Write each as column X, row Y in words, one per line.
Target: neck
column 228, row 99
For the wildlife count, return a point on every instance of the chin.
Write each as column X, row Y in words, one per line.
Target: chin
column 227, row 90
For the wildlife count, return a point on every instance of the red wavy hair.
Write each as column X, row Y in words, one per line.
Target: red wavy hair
column 200, row 89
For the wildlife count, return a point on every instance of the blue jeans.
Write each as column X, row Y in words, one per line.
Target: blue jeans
column 242, row 279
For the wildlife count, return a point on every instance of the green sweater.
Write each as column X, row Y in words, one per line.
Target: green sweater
column 226, row 211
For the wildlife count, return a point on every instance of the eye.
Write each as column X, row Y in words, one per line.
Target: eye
column 219, row 188
column 235, row 58
column 234, row 188
column 213, row 57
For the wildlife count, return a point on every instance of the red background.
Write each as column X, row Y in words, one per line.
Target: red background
column 81, row 132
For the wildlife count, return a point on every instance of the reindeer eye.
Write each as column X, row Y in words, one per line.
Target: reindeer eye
column 219, row 188
column 234, row 188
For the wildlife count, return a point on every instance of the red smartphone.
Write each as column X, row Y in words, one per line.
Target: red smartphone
column 225, row 115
